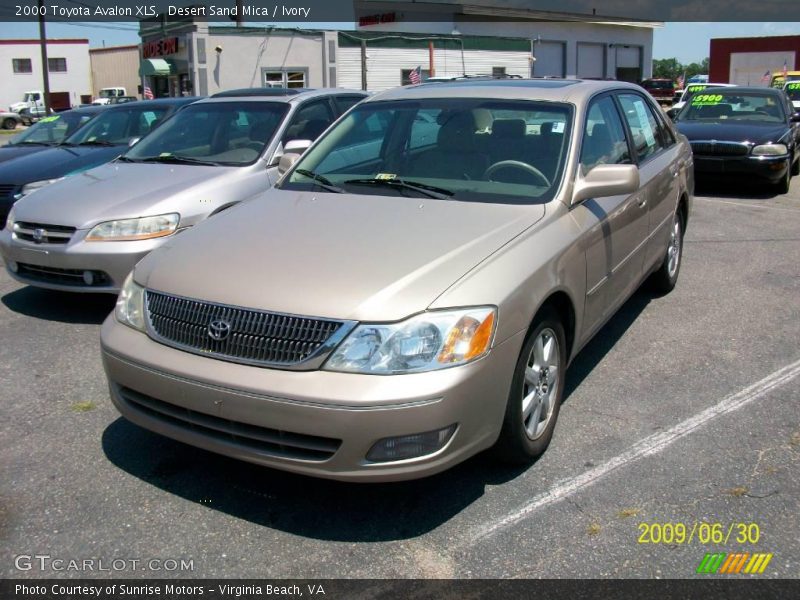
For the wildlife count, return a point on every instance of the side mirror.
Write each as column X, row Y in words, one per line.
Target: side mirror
column 297, row 146
column 795, row 118
column 286, row 162
column 132, row 141
column 606, row 180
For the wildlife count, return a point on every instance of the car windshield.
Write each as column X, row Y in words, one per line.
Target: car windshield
column 475, row 150
column 693, row 88
column 53, row 129
column 229, row 133
column 119, row 126
column 732, row 106
column 793, row 90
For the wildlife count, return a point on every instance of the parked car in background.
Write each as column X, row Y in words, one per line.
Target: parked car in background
column 47, row 132
column 105, row 138
column 742, row 134
column 792, row 89
column 691, row 89
column 110, row 94
column 661, row 89
column 10, row 120
column 32, row 99
column 778, row 78
column 211, row 155
column 385, row 314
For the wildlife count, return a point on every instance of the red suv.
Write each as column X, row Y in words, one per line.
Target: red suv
column 662, row 90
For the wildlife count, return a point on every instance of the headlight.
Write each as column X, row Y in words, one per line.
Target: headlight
column 10, row 220
column 142, row 228
column 770, row 150
column 33, row 186
column 130, row 304
column 425, row 342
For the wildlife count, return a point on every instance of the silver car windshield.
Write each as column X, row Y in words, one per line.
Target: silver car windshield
column 118, row 126
column 226, row 133
column 717, row 105
column 466, row 149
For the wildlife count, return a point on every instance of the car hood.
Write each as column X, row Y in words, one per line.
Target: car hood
column 11, row 151
column 344, row 256
column 56, row 162
column 115, row 190
column 757, row 133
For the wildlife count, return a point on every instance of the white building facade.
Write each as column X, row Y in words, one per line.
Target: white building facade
column 21, row 69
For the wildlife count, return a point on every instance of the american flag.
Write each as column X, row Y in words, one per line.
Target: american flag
column 765, row 76
column 681, row 80
column 148, row 93
column 415, row 76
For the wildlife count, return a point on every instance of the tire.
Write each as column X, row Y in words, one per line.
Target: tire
column 538, row 381
column 10, row 123
column 796, row 166
column 665, row 278
column 782, row 187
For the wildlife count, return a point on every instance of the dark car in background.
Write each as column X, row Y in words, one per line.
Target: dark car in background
column 742, row 133
column 102, row 140
column 663, row 90
column 47, row 132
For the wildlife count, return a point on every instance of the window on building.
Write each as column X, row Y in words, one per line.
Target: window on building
column 405, row 75
column 289, row 78
column 498, row 71
column 57, row 65
column 22, row 65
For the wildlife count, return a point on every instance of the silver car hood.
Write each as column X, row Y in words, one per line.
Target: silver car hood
column 117, row 191
column 345, row 256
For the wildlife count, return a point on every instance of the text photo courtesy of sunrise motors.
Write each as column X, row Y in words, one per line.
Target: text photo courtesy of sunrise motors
column 376, row 298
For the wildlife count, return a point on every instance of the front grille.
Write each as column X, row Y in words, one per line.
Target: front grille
column 719, row 149
column 41, row 233
column 7, row 190
column 260, row 439
column 251, row 337
column 73, row 277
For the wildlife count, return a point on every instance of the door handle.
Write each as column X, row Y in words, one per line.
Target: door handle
column 641, row 201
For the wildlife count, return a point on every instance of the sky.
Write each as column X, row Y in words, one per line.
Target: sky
column 688, row 42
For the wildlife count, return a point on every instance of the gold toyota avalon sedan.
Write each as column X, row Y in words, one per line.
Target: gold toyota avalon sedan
column 414, row 288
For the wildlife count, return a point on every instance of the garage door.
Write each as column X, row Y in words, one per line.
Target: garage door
column 549, row 59
column 628, row 67
column 591, row 62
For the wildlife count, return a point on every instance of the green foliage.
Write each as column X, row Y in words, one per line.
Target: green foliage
column 671, row 68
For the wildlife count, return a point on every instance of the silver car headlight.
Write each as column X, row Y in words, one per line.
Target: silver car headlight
column 425, row 342
column 130, row 304
column 770, row 150
column 35, row 185
column 142, row 228
column 10, row 220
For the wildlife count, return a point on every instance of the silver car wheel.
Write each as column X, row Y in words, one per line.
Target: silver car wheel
column 674, row 248
column 540, row 388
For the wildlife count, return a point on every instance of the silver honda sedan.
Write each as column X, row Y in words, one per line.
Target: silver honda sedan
column 414, row 288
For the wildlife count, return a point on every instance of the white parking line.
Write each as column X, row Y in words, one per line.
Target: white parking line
column 646, row 447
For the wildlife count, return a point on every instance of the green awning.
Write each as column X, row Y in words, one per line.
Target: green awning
column 157, row 66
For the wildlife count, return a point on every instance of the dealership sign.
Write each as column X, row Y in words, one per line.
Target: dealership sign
column 162, row 47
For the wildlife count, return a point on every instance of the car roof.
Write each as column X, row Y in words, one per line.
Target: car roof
column 557, row 90
column 264, row 95
column 155, row 103
column 84, row 110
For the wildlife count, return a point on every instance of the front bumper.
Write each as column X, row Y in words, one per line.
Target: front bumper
column 764, row 168
column 273, row 417
column 60, row 266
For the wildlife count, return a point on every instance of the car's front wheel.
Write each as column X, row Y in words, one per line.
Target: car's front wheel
column 536, row 392
column 666, row 277
column 10, row 123
column 786, row 180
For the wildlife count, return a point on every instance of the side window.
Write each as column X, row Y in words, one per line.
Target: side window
column 643, row 126
column 345, row 103
column 424, row 129
column 309, row 122
column 664, row 132
column 604, row 136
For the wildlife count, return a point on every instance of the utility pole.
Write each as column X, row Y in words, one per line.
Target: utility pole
column 364, row 64
column 239, row 15
column 45, row 70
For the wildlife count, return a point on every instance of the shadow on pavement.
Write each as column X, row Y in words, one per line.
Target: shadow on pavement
column 304, row 506
column 739, row 190
column 60, row 306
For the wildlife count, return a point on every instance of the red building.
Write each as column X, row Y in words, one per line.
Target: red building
column 746, row 60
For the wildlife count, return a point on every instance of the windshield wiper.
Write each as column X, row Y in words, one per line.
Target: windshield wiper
column 321, row 180
column 427, row 190
column 97, row 143
column 178, row 160
column 32, row 143
column 124, row 158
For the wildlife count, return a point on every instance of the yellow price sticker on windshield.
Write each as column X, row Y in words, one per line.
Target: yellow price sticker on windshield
column 49, row 119
column 703, row 99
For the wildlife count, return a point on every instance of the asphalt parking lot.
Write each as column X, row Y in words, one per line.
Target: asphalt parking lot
column 683, row 410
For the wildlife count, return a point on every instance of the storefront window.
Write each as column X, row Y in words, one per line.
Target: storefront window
column 285, row 78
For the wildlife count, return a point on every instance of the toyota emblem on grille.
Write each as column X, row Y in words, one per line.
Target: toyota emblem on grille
column 39, row 235
column 219, row 330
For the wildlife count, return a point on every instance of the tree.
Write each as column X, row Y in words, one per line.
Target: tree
column 671, row 68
